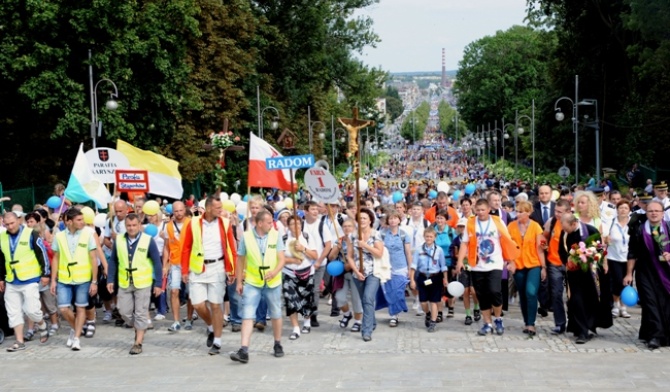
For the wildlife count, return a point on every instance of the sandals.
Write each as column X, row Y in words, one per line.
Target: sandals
column 345, row 320
column 44, row 333
column 393, row 322
column 90, row 330
column 356, row 327
column 294, row 336
column 136, row 349
column 53, row 330
column 439, row 317
column 17, row 347
column 28, row 336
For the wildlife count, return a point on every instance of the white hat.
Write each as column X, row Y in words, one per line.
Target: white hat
column 19, row 213
column 462, row 222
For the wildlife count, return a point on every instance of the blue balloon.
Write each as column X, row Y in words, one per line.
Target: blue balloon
column 54, row 202
column 151, row 230
column 470, row 189
column 397, row 196
column 245, row 198
column 629, row 296
column 432, row 194
column 168, row 208
column 335, row 268
column 456, row 195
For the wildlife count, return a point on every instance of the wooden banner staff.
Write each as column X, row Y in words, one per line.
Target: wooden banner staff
column 353, row 126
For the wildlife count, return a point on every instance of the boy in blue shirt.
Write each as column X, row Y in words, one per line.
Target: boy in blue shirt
column 429, row 275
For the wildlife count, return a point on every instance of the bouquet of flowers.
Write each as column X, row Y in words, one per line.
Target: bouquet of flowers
column 587, row 255
column 661, row 240
column 223, row 140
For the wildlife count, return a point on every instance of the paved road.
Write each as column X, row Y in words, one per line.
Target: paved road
column 330, row 358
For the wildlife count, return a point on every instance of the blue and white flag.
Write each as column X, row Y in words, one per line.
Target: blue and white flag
column 84, row 186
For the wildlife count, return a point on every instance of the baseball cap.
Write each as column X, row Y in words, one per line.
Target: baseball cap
column 462, row 222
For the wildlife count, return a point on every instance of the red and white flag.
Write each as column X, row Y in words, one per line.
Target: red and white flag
column 259, row 175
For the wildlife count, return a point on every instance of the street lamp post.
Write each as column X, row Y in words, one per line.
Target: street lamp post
column 333, row 136
column 575, row 127
column 519, row 131
column 96, row 124
column 532, row 133
column 503, row 135
column 596, row 126
column 273, row 125
column 310, row 127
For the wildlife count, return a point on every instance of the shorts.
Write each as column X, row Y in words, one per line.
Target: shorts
column 432, row 292
column 617, row 271
column 488, row 286
column 465, row 279
column 65, row 293
column 211, row 292
column 174, row 278
column 49, row 302
column 251, row 297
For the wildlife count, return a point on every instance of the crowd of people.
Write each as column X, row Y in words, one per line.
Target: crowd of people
column 500, row 240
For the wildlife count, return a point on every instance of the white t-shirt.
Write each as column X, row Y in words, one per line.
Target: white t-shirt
column 414, row 229
column 489, row 251
column 312, row 230
column 306, row 262
column 619, row 240
column 211, row 239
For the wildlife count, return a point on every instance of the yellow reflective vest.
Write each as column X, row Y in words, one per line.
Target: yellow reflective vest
column 141, row 268
column 197, row 260
column 24, row 265
column 257, row 264
column 74, row 269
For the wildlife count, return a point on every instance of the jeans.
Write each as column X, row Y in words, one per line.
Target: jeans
column 160, row 302
column 318, row 278
column 367, row 289
column 234, row 304
column 556, row 278
column 528, row 283
column 262, row 311
column 251, row 301
column 65, row 293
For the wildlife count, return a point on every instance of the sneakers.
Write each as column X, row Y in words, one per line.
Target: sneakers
column 76, row 346
column 486, row 329
column 431, row 327
column 558, row 330
column 314, row 321
column 70, row 339
column 210, row 339
column 279, row 350
column 107, row 318
column 615, row 312
column 260, row 326
column 500, row 328
column 236, row 328
column 159, row 317
column 188, row 325
column 240, row 356
column 468, row 320
column 623, row 313
column 175, row 327
column 478, row 314
column 215, row 349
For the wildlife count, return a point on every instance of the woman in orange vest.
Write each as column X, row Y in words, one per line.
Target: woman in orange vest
column 530, row 267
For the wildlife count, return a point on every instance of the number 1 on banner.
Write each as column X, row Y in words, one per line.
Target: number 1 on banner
column 321, row 184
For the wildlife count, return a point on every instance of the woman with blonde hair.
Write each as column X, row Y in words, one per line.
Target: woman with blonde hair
column 530, row 267
column 587, row 210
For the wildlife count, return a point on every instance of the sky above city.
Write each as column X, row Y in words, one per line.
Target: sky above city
column 413, row 32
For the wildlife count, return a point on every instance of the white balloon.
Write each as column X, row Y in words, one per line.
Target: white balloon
column 362, row 184
column 100, row 220
column 223, row 196
column 280, row 205
column 456, row 289
column 241, row 208
column 235, row 198
column 442, row 186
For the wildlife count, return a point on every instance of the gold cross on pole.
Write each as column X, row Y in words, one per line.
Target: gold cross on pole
column 353, row 126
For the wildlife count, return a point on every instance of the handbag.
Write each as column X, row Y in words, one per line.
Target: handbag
column 303, row 274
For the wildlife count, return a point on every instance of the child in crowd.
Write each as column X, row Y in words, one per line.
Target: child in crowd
column 429, row 275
